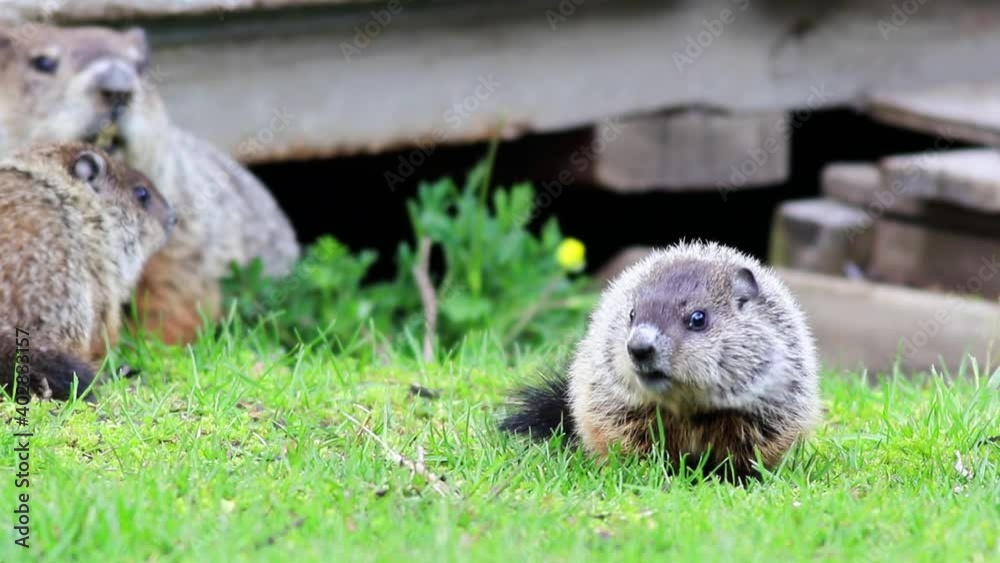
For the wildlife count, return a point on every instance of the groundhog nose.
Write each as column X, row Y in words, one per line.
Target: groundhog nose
column 641, row 346
column 116, row 86
column 640, row 352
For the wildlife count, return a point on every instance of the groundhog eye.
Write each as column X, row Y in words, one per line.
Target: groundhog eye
column 697, row 320
column 631, row 316
column 45, row 63
column 142, row 194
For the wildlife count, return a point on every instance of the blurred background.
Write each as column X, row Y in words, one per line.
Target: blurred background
column 847, row 143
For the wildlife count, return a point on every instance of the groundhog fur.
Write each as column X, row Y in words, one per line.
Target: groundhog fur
column 697, row 350
column 77, row 227
column 95, row 85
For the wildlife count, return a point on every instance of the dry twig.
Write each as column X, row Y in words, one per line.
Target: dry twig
column 421, row 273
column 416, row 467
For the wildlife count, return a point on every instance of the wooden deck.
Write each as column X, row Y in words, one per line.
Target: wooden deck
column 349, row 83
column 961, row 111
column 77, row 11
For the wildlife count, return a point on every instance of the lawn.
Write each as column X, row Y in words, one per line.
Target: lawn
column 234, row 451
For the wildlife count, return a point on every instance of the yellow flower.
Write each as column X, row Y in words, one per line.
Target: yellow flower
column 571, row 255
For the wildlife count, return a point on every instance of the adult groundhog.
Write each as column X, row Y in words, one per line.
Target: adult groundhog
column 93, row 84
column 77, row 228
column 696, row 350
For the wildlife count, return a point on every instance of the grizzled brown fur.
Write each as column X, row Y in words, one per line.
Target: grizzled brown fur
column 96, row 84
column 77, row 228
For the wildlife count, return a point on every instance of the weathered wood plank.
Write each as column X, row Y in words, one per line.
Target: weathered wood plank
column 821, row 235
column 968, row 178
column 355, row 84
column 694, row 149
column 861, row 185
column 112, row 10
column 969, row 111
column 913, row 254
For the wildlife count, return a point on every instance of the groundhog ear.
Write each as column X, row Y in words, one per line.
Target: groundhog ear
column 88, row 167
column 745, row 286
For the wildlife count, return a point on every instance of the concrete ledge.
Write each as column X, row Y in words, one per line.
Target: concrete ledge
column 864, row 325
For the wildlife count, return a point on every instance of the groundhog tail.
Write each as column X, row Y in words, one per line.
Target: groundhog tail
column 50, row 374
column 542, row 410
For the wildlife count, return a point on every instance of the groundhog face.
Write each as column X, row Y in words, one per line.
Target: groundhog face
column 71, row 84
column 137, row 209
column 124, row 187
column 693, row 336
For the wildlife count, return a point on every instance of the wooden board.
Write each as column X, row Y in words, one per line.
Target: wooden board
column 861, row 185
column 967, row 178
column 354, row 84
column 914, row 254
column 821, row 235
column 858, row 184
column 967, row 111
column 694, row 149
column 114, row 10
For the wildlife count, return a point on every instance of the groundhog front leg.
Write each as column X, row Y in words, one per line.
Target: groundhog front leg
column 104, row 337
column 601, row 432
column 172, row 300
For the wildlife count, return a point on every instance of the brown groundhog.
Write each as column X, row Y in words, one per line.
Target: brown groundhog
column 93, row 84
column 698, row 350
column 77, row 228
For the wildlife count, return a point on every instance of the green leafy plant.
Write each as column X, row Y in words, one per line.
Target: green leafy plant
column 497, row 275
column 473, row 265
column 323, row 294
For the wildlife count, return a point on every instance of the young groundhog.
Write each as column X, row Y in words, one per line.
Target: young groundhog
column 94, row 84
column 697, row 350
column 77, row 228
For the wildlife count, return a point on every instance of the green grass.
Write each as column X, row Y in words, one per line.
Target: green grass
column 226, row 453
